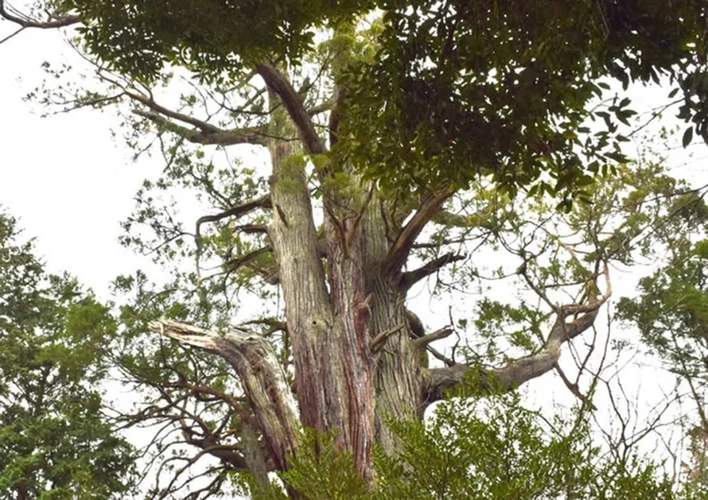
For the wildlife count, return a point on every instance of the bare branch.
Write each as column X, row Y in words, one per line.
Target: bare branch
column 432, row 337
column 237, row 211
column 12, row 35
column 574, row 389
column 58, row 19
column 263, row 379
column 519, row 371
column 234, row 264
column 401, row 247
column 438, row 355
column 252, row 228
column 150, row 103
column 379, row 340
column 217, row 137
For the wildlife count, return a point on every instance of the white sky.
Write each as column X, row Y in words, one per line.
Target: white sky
column 64, row 176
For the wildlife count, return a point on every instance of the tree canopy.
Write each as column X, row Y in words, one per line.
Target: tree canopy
column 455, row 89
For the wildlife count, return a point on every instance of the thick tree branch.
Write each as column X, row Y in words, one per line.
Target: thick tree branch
column 279, row 84
column 398, row 253
column 58, row 19
column 263, row 379
column 411, row 278
column 519, row 371
column 237, row 211
column 218, row 137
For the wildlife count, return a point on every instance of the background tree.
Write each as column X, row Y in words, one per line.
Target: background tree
column 398, row 147
column 671, row 312
column 56, row 440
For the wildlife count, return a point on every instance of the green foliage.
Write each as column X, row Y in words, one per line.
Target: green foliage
column 320, row 472
column 55, row 439
column 671, row 312
column 502, row 89
column 141, row 37
column 491, row 449
column 488, row 98
column 438, row 94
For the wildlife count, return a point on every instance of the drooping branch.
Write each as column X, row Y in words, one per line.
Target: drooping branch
column 398, row 253
column 57, row 19
column 262, row 377
column 281, row 86
column 519, row 371
column 411, row 278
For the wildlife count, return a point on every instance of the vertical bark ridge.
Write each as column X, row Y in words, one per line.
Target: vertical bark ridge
column 397, row 378
column 302, row 278
column 352, row 350
column 327, row 328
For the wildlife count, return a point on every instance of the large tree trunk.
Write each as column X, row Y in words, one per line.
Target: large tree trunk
column 344, row 289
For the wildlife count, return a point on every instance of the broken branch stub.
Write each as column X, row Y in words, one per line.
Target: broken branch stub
column 263, row 379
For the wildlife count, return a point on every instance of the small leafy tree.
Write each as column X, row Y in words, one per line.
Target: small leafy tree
column 493, row 449
column 55, row 438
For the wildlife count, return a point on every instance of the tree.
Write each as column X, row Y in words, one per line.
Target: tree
column 488, row 449
column 671, row 312
column 55, row 440
column 395, row 144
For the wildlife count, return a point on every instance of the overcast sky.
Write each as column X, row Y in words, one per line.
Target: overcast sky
column 64, row 176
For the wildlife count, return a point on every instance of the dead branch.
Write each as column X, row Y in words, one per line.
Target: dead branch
column 263, row 379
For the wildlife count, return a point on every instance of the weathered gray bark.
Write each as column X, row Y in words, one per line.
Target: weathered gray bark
column 262, row 377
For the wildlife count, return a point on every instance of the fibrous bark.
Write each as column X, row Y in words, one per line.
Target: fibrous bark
column 262, row 377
